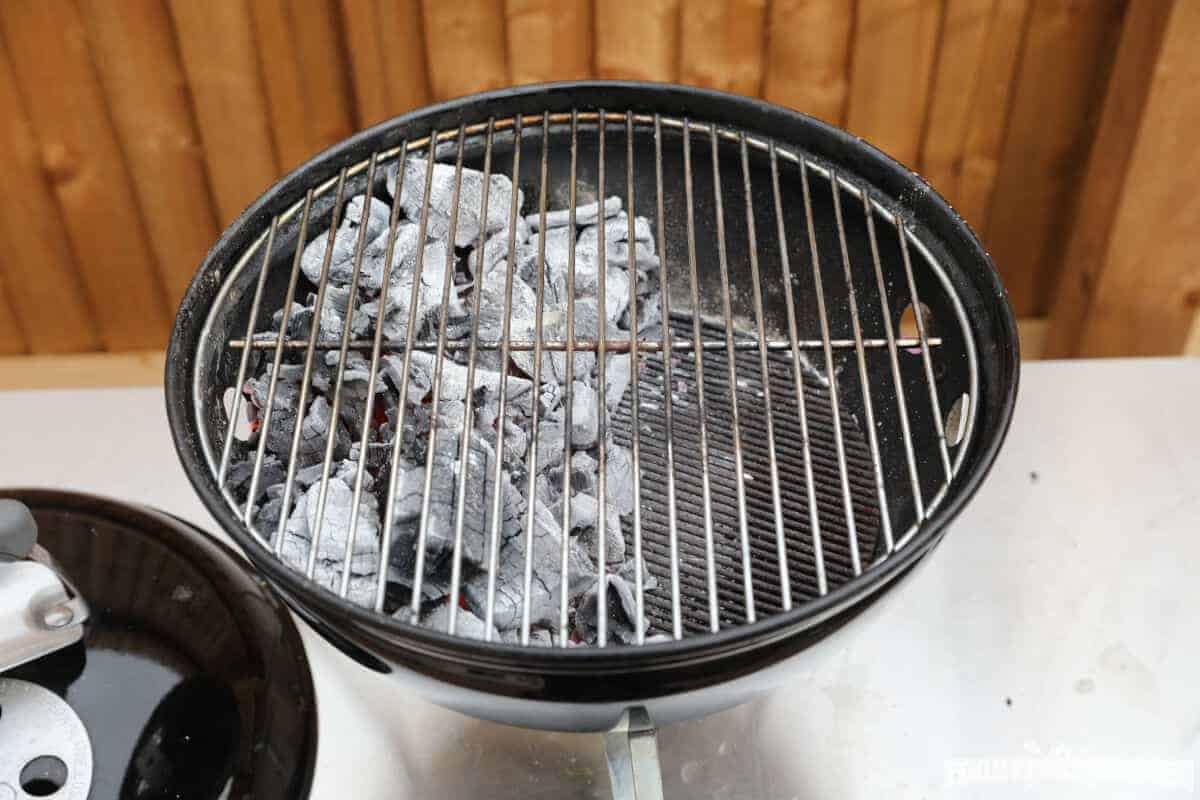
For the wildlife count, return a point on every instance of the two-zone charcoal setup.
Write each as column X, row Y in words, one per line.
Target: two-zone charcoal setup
column 579, row 399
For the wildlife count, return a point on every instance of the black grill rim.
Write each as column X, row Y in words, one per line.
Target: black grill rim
column 965, row 260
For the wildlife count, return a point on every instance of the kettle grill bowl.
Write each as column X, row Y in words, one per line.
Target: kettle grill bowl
column 579, row 688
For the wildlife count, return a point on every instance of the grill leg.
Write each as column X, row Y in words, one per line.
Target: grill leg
column 632, row 750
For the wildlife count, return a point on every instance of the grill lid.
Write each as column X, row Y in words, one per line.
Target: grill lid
column 796, row 421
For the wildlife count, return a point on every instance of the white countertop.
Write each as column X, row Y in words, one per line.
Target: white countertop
column 1049, row 648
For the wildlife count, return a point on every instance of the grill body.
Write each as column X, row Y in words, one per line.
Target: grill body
column 879, row 482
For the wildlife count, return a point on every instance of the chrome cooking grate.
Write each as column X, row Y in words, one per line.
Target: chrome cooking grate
column 829, row 375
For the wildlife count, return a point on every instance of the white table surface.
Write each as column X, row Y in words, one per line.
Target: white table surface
column 1049, row 648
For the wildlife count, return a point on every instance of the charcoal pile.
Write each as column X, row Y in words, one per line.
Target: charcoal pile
column 481, row 275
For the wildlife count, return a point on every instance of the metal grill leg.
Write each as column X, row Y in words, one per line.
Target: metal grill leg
column 632, row 751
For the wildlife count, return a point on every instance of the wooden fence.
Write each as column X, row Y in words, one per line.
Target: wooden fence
column 132, row 131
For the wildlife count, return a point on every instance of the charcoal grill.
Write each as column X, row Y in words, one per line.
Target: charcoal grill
column 834, row 376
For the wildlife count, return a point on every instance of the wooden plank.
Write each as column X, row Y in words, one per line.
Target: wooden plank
column 1032, row 333
column 385, row 45
column 808, row 56
column 364, row 47
column 1060, row 80
column 219, row 57
column 724, row 44
column 965, row 28
column 283, row 85
column 637, row 39
column 12, row 338
column 403, row 31
column 304, row 76
column 992, row 102
column 464, row 46
column 81, row 155
column 143, row 82
column 1192, row 348
column 894, row 48
column 1148, row 290
column 83, row 370
column 324, row 68
column 549, row 40
column 46, row 292
column 1108, row 167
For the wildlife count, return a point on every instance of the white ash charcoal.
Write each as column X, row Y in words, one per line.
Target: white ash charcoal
column 420, row 381
column 266, row 519
column 495, row 257
column 466, row 624
column 650, row 316
column 341, row 261
column 516, row 444
column 270, row 473
column 516, row 439
column 289, row 377
column 315, row 430
column 546, row 491
column 587, row 285
column 334, row 529
column 345, row 471
column 402, row 561
column 299, row 320
column 551, row 400
column 584, row 472
column 538, row 637
column 622, row 611
column 334, row 317
column 451, row 417
column 522, row 315
column 616, row 238
column 405, row 247
column 477, row 505
column 614, row 541
column 628, row 572
column 549, row 444
column 309, row 475
column 358, row 366
column 587, row 328
column 283, row 417
column 619, row 228
column 617, row 375
column 619, row 479
column 559, row 242
column 429, row 296
column 454, row 378
column 616, row 229
column 616, row 245
column 585, row 415
column 585, row 511
column 439, row 527
column 441, row 194
column 644, row 258
column 585, row 360
column 330, row 561
column 585, row 214
column 545, row 586
column 410, row 486
column 378, row 452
